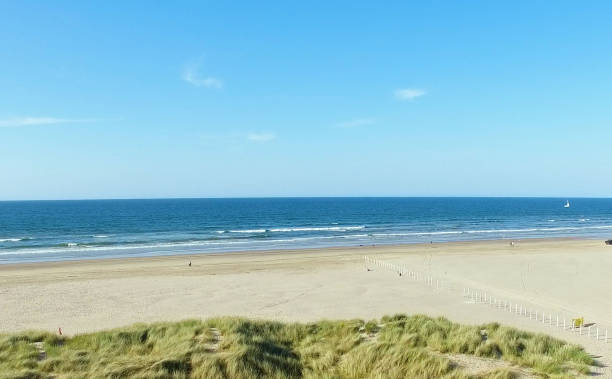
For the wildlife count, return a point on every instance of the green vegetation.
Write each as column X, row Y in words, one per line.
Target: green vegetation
column 394, row 347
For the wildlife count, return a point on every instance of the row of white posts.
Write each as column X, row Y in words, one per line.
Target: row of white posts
column 479, row 297
column 403, row 271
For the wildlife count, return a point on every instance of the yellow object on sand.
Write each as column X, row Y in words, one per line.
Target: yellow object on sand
column 578, row 322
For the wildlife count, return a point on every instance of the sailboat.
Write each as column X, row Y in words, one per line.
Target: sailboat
column 567, row 204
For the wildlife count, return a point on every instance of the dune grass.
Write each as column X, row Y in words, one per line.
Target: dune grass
column 394, row 347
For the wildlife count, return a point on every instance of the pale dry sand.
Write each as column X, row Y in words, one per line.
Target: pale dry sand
column 565, row 277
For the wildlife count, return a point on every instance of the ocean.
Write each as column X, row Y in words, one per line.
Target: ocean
column 36, row 231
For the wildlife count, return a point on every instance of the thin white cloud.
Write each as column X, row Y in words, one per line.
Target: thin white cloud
column 191, row 75
column 356, row 122
column 409, row 93
column 32, row 121
column 261, row 137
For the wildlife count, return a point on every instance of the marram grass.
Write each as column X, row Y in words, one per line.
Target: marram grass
column 394, row 347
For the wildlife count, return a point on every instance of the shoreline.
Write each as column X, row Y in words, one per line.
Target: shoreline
column 297, row 250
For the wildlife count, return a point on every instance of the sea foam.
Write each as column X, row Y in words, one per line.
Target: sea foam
column 11, row 239
column 296, row 229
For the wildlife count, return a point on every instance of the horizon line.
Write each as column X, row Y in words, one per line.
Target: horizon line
column 309, row 197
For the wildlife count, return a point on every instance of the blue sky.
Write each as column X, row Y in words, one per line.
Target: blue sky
column 207, row 99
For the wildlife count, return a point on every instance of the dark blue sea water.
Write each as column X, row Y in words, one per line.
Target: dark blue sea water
column 63, row 230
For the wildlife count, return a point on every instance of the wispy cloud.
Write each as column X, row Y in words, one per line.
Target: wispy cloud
column 409, row 93
column 192, row 76
column 32, row 121
column 356, row 122
column 236, row 139
column 261, row 137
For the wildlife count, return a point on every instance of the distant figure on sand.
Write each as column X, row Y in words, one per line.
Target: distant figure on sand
column 189, row 263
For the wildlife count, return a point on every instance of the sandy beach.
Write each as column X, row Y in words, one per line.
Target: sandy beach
column 561, row 277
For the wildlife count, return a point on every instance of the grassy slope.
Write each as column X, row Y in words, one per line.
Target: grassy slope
column 403, row 346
